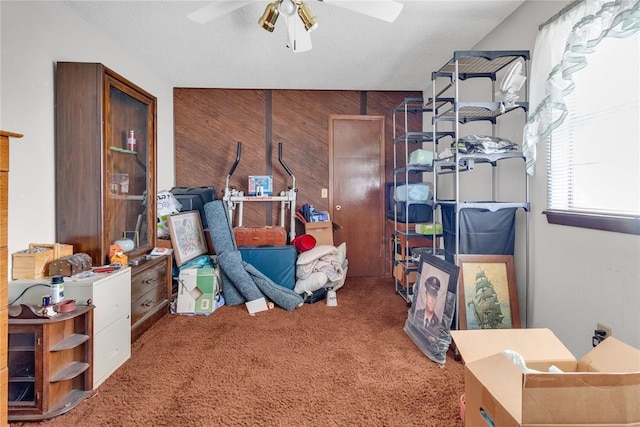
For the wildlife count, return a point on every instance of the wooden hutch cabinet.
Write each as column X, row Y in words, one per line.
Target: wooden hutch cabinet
column 106, row 174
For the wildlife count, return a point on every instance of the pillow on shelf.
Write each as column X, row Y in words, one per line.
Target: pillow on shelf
column 418, row 192
column 421, row 157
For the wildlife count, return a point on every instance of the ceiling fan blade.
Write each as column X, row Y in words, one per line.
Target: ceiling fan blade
column 215, row 10
column 386, row 10
column 298, row 38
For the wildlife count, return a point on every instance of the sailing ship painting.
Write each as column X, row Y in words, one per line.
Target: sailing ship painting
column 487, row 297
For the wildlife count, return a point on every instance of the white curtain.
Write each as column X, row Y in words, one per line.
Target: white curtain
column 562, row 46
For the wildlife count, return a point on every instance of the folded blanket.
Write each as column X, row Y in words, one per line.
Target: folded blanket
column 330, row 265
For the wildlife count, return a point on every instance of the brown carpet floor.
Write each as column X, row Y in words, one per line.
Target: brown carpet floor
column 350, row 365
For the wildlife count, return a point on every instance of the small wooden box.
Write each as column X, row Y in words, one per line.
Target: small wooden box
column 59, row 249
column 31, row 263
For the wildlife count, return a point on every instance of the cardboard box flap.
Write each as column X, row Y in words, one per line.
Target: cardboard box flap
column 611, row 355
column 581, row 398
column 498, row 377
column 536, row 345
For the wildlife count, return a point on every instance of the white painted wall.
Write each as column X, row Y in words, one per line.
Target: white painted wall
column 34, row 35
column 578, row 276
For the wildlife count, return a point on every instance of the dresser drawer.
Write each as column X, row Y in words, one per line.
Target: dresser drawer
column 152, row 277
column 147, row 302
column 112, row 301
column 148, row 289
column 111, row 348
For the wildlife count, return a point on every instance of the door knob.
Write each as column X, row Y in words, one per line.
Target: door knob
column 338, row 207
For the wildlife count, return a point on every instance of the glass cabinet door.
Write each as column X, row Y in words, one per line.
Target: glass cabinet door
column 22, row 364
column 130, row 162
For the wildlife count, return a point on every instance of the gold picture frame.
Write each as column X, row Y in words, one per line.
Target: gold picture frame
column 488, row 294
column 187, row 236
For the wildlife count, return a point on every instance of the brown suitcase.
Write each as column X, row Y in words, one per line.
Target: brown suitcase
column 70, row 265
column 260, row 236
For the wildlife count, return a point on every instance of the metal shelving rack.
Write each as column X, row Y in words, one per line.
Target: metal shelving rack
column 462, row 66
column 405, row 138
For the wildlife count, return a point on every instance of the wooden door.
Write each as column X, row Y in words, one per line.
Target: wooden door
column 356, row 190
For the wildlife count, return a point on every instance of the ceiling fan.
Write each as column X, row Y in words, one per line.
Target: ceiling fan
column 299, row 17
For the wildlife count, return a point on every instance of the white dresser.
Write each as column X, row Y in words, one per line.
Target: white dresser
column 110, row 293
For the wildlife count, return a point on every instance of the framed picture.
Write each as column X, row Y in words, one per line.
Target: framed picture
column 488, row 295
column 433, row 306
column 187, row 236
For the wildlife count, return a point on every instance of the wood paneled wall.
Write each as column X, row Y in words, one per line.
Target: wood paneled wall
column 210, row 122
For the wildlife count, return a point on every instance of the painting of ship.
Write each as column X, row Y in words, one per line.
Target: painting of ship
column 485, row 303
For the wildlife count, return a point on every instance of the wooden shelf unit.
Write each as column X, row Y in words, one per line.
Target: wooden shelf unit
column 49, row 364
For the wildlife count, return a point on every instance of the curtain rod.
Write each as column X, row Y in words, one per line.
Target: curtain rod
column 564, row 10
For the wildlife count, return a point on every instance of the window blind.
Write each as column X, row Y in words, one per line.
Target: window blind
column 594, row 156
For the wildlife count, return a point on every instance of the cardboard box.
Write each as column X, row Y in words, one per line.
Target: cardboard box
column 602, row 388
column 400, row 273
column 260, row 185
column 198, row 291
column 321, row 231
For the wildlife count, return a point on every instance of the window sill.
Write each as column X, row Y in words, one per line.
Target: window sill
column 618, row 224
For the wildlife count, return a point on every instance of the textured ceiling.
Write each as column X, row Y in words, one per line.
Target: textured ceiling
column 350, row 51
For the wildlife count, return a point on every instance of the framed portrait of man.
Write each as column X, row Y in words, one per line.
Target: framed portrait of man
column 433, row 306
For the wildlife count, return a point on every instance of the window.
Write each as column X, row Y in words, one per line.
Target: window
column 594, row 155
column 588, row 114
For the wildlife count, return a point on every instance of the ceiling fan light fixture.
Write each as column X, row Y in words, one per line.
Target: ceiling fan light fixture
column 308, row 18
column 269, row 17
column 287, row 7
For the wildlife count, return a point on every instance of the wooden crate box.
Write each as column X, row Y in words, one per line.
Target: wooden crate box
column 32, row 263
column 59, row 249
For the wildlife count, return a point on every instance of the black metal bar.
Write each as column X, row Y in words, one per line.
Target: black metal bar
column 235, row 164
